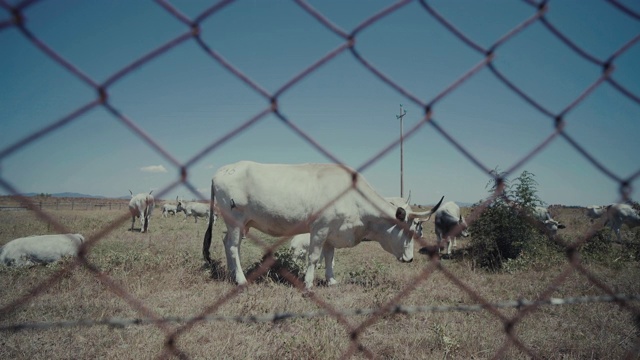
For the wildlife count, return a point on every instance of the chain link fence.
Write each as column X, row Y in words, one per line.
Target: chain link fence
column 15, row 17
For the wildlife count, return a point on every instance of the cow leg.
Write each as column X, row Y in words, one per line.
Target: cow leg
column 232, row 241
column 438, row 240
column 449, row 244
column 313, row 255
column 133, row 221
column 328, row 251
column 143, row 221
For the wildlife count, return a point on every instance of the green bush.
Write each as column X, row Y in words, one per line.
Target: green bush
column 504, row 231
column 285, row 258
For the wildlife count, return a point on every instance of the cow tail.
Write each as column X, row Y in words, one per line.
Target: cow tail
column 206, row 243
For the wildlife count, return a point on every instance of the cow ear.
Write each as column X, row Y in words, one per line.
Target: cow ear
column 401, row 214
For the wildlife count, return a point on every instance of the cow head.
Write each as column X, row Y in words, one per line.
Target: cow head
column 553, row 226
column 399, row 237
column 180, row 206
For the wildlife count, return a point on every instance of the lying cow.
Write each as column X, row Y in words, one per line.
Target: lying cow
column 169, row 209
column 619, row 214
column 542, row 215
column 448, row 224
column 286, row 200
column 194, row 209
column 141, row 206
column 40, row 249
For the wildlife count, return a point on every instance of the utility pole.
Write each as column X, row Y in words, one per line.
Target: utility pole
column 399, row 117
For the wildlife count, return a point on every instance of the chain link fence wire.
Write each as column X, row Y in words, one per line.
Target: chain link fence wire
column 354, row 321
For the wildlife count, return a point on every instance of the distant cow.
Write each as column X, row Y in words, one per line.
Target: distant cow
column 542, row 215
column 194, row 209
column 595, row 211
column 448, row 224
column 168, row 209
column 619, row 214
column 41, row 249
column 141, row 206
column 333, row 203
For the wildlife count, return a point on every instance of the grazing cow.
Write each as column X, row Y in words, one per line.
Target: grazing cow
column 542, row 215
column 141, row 205
column 40, row 249
column 619, row 214
column 333, row 203
column 169, row 209
column 595, row 211
column 448, row 224
column 194, row 209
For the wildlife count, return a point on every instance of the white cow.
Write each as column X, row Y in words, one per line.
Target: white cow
column 448, row 224
column 333, row 203
column 194, row 209
column 542, row 215
column 595, row 211
column 169, row 209
column 619, row 214
column 141, row 206
column 40, row 249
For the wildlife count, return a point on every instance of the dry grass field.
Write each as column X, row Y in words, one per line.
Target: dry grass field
column 163, row 270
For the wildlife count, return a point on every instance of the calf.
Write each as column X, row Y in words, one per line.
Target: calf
column 595, row 211
column 168, row 209
column 194, row 209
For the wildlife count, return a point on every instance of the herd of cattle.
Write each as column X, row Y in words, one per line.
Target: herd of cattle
column 321, row 207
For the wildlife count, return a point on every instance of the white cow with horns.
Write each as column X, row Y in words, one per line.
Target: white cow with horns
column 333, row 203
column 194, row 209
column 448, row 224
column 141, row 206
column 40, row 249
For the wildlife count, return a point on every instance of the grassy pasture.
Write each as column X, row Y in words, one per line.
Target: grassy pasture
column 163, row 270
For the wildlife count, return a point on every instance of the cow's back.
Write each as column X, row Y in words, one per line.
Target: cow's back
column 279, row 195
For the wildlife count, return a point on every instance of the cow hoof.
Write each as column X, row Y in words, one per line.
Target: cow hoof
column 332, row 282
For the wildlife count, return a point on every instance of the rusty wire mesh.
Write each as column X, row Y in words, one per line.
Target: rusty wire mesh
column 192, row 32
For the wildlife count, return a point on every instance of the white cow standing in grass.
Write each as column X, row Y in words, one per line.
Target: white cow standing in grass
column 286, row 200
column 542, row 215
column 41, row 249
column 449, row 223
column 194, row 209
column 141, row 206
column 619, row 214
column 169, row 209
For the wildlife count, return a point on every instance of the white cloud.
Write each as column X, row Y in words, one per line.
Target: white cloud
column 153, row 169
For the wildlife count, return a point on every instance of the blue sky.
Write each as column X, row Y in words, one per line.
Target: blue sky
column 184, row 100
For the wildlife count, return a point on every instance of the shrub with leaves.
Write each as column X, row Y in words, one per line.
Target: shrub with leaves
column 285, row 258
column 504, row 230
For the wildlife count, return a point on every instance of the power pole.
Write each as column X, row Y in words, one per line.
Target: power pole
column 399, row 117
